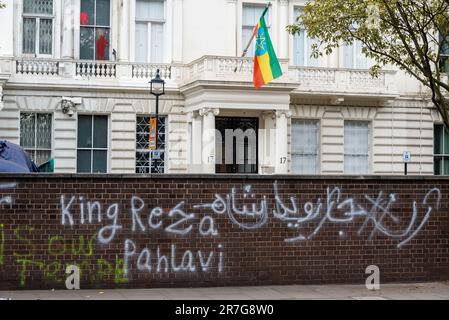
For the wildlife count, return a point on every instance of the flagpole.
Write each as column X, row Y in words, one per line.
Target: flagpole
column 252, row 37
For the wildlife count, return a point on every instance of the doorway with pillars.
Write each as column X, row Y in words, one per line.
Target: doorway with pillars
column 236, row 145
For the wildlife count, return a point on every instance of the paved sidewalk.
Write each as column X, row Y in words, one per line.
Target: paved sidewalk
column 434, row 291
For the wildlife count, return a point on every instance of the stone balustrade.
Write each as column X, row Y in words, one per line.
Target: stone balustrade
column 207, row 68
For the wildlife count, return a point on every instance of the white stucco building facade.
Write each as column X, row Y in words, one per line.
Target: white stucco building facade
column 323, row 116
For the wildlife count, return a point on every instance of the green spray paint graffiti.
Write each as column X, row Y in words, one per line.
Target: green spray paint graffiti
column 53, row 270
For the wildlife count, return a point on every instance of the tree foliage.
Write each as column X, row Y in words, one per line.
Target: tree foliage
column 410, row 34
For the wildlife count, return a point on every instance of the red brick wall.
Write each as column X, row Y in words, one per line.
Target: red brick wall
column 340, row 226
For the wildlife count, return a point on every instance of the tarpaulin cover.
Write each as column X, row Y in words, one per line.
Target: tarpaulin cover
column 14, row 159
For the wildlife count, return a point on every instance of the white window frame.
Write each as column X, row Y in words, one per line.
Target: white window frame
column 441, row 155
column 318, row 153
column 319, row 62
column 355, row 54
column 37, row 17
column 268, row 19
column 110, row 27
column 149, row 26
column 370, row 147
column 94, row 149
column 35, row 148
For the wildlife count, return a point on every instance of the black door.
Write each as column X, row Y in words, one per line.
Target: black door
column 236, row 145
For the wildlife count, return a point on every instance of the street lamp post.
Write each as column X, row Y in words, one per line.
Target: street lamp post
column 157, row 88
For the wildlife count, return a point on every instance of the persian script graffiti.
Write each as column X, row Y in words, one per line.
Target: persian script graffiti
column 374, row 214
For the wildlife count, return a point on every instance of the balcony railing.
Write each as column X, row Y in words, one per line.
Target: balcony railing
column 333, row 80
column 212, row 69
column 37, row 67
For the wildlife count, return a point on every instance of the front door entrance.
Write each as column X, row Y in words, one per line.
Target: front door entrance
column 236, row 145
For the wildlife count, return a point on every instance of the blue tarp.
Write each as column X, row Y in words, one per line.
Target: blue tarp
column 14, row 159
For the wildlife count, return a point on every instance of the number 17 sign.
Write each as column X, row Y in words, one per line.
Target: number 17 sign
column 153, row 134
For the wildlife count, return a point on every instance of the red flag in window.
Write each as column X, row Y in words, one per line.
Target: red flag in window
column 84, row 18
column 102, row 43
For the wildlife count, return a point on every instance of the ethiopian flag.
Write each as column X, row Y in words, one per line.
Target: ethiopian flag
column 266, row 64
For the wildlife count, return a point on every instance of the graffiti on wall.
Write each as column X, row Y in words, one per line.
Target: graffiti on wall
column 372, row 215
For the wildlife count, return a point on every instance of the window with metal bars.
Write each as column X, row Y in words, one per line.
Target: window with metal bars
column 36, row 135
column 150, row 161
column 37, row 27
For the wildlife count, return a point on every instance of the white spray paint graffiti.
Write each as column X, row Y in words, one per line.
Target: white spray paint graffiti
column 380, row 209
column 247, row 211
column 7, row 199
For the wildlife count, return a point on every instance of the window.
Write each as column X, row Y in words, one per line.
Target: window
column 441, row 150
column 150, row 161
column 305, row 147
column 95, row 22
column 444, row 55
column 354, row 58
column 150, row 20
column 37, row 36
column 35, row 135
column 302, row 48
column 92, row 144
column 250, row 17
column 357, row 147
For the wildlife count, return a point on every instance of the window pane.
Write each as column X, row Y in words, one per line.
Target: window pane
column 38, row 6
column 348, row 54
column 298, row 48
column 150, row 10
column 438, row 144
column 246, row 36
column 84, row 131
column 141, row 42
column 42, row 156
column 157, row 37
column 29, row 35
column 100, row 131
column 87, row 43
column 356, row 140
column 100, row 161
column 304, row 146
column 43, row 131
column 45, row 36
column 313, row 62
column 362, row 61
column 103, row 13
column 102, row 44
column 27, row 130
column 87, row 12
column 446, row 140
column 84, row 161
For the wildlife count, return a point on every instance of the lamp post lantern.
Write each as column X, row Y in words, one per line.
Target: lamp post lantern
column 157, row 89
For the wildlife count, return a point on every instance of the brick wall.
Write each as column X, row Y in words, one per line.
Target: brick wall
column 173, row 230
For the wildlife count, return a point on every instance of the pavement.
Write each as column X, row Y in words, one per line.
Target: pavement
column 414, row 291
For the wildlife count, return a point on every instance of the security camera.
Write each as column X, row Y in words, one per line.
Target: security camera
column 68, row 105
column 70, row 112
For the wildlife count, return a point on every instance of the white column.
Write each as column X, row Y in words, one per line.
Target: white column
column 269, row 142
column 232, row 21
column 7, row 29
column 177, row 30
column 196, row 139
column 283, row 22
column 281, row 166
column 208, row 141
column 68, row 29
column 123, row 53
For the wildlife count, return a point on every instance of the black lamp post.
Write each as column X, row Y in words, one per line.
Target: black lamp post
column 157, row 89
